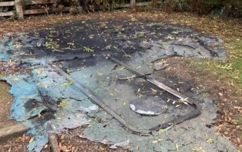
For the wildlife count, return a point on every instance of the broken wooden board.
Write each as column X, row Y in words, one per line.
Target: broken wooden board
column 10, row 3
column 12, row 130
column 10, row 13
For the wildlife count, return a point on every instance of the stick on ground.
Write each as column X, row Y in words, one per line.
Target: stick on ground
column 53, row 143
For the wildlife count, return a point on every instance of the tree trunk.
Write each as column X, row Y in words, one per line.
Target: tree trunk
column 132, row 4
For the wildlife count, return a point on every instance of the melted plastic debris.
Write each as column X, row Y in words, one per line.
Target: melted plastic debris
column 65, row 120
column 23, row 91
column 148, row 107
column 71, row 104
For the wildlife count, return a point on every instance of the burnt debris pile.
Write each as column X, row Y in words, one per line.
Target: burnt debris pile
column 116, row 37
column 100, row 73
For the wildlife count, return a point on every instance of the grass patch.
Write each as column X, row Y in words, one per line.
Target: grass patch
column 1, row 90
column 231, row 69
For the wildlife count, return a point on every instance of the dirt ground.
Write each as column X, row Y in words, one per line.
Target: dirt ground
column 5, row 102
column 227, row 96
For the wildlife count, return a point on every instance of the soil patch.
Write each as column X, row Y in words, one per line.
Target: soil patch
column 5, row 104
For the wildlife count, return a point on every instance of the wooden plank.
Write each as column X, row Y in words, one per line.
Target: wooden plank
column 140, row 4
column 19, row 9
column 36, row 2
column 10, row 13
column 11, row 3
column 35, row 11
column 41, row 11
column 12, row 130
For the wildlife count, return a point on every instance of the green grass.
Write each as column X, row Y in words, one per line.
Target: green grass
column 237, row 64
column 230, row 69
column 237, row 61
column 1, row 90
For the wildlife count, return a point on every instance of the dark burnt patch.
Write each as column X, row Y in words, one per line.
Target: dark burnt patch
column 117, row 37
column 31, row 104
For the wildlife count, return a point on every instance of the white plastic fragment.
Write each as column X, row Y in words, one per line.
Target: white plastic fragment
column 120, row 144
